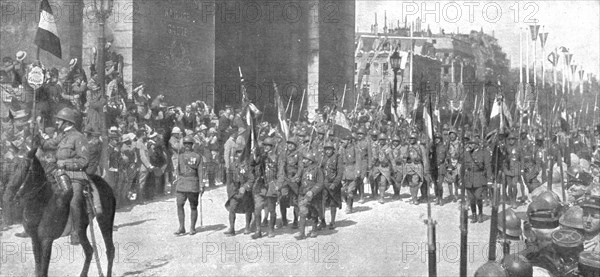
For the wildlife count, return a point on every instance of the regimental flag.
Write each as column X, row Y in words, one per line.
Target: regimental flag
column 428, row 119
column 341, row 126
column 500, row 118
column 46, row 36
column 281, row 115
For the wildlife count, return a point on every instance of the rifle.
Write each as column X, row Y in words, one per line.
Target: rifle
column 464, row 225
column 431, row 240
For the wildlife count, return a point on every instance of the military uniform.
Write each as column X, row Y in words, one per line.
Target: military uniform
column 309, row 194
column 266, row 189
column 382, row 166
column 476, row 172
column 397, row 166
column 440, row 156
column 416, row 166
column 363, row 161
column 373, row 146
column 239, row 193
column 333, row 171
column 289, row 189
column 531, row 172
column 189, row 186
column 512, row 169
column 351, row 176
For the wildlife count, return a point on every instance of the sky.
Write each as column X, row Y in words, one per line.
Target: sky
column 572, row 24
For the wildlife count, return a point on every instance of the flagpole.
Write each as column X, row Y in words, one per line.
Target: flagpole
column 301, row 105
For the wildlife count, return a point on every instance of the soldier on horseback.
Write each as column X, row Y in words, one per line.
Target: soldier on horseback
column 72, row 157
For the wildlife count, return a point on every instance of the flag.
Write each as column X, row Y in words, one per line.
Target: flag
column 500, row 118
column 251, row 146
column 341, row 126
column 563, row 118
column 428, row 119
column 281, row 116
column 553, row 58
column 46, row 36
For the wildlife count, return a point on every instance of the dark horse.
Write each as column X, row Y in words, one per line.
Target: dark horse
column 46, row 212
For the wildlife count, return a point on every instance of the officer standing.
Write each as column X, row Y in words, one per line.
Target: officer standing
column 309, row 194
column 239, row 192
column 512, row 168
column 189, row 185
column 477, row 170
column 332, row 166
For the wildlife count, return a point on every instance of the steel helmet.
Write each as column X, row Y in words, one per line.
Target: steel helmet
column 176, row 130
column 188, row 139
column 396, row 138
column 269, row 141
column 491, row 269
column 572, row 218
column 374, row 132
column 382, row 136
column 293, row 140
column 67, row 114
column 329, row 144
column 513, row 223
column 517, row 265
column 543, row 212
column 309, row 155
column 361, row 130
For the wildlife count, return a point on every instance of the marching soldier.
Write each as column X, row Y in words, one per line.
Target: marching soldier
column 289, row 190
column 512, row 168
column 265, row 191
column 349, row 153
column 382, row 171
column 441, row 168
column 239, row 192
column 363, row 160
column 454, row 148
column 373, row 145
column 476, row 171
column 332, row 187
column 309, row 194
column 189, row 185
column 416, row 166
column 397, row 165
column 452, row 176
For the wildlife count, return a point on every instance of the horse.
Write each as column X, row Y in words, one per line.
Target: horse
column 46, row 212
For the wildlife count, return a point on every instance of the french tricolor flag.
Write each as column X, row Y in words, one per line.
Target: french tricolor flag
column 46, row 36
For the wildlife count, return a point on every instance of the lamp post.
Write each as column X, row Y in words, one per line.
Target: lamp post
column 395, row 64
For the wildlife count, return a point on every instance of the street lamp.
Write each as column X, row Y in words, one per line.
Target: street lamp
column 395, row 64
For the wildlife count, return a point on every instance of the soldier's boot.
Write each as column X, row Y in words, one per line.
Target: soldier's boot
column 193, row 219
column 349, row 205
column 248, row 228
column 313, row 232
column 284, row 221
column 295, row 223
column 439, row 201
column 302, row 227
column 332, row 222
column 266, row 219
column 474, row 213
column 258, row 234
column 231, row 231
column 272, row 226
column 323, row 224
column 181, row 218
column 361, row 193
column 396, row 192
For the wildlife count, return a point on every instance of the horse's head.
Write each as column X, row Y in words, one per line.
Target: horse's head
column 27, row 173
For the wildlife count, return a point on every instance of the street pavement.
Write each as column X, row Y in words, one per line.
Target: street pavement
column 377, row 239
